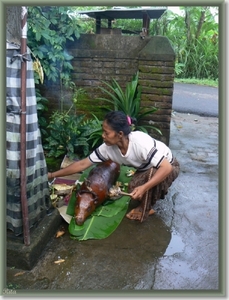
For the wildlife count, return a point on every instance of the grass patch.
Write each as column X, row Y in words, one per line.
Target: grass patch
column 208, row 82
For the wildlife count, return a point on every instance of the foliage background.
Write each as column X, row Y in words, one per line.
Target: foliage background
column 193, row 33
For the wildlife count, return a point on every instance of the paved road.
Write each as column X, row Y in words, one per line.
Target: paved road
column 195, row 99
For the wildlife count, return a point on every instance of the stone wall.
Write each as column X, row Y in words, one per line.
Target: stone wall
column 103, row 57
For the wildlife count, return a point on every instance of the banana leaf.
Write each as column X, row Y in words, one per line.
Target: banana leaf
column 100, row 226
column 105, row 219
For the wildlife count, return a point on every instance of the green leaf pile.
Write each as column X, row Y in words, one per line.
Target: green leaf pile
column 105, row 219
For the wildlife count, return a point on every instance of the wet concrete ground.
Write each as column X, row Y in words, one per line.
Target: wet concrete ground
column 176, row 249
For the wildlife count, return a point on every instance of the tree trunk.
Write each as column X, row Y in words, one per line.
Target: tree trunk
column 13, row 24
column 201, row 22
column 187, row 23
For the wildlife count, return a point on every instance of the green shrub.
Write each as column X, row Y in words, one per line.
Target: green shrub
column 65, row 136
column 42, row 106
column 94, row 132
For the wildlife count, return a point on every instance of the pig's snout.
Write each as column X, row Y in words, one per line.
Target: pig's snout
column 79, row 220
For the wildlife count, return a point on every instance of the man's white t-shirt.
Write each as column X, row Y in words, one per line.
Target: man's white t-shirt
column 143, row 152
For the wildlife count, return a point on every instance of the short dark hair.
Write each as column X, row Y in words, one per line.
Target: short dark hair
column 118, row 121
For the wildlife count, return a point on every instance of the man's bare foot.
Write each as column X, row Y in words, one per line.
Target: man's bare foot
column 136, row 213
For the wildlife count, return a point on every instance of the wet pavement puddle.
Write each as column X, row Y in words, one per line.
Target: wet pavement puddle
column 176, row 245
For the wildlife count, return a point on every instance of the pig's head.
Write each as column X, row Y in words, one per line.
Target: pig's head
column 86, row 203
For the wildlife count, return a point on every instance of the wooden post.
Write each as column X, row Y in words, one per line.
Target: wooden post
column 24, row 203
column 145, row 23
column 98, row 25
